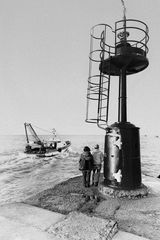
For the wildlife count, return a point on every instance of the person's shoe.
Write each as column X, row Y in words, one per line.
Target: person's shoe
column 97, row 198
column 87, row 198
column 92, row 197
column 96, row 184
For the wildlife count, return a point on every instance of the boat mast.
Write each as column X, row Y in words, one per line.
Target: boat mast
column 32, row 131
column 25, row 126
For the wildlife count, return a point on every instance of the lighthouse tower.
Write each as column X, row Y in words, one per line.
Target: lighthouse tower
column 117, row 53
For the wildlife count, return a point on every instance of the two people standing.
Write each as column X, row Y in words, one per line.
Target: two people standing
column 91, row 162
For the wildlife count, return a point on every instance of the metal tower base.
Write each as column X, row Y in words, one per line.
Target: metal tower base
column 122, row 168
column 107, row 191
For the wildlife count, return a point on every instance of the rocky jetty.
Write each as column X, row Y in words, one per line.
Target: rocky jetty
column 137, row 216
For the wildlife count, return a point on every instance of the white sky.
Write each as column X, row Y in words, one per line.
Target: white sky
column 44, row 48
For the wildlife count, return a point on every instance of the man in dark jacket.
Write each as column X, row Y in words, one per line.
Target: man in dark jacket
column 86, row 165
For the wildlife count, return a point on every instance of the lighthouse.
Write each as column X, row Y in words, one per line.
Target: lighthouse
column 117, row 52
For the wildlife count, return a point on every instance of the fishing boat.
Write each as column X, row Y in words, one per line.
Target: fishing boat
column 43, row 148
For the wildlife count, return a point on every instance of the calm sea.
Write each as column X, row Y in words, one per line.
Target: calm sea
column 22, row 176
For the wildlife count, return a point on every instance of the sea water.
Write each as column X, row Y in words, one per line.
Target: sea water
column 22, row 176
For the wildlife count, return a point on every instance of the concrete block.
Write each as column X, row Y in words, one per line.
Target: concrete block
column 78, row 226
column 30, row 215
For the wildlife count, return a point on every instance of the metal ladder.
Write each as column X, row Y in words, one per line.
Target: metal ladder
column 98, row 83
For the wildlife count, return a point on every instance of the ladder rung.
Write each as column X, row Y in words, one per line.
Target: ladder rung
column 102, row 124
column 103, row 107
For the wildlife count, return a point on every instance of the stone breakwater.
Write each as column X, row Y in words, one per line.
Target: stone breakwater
column 138, row 216
column 68, row 196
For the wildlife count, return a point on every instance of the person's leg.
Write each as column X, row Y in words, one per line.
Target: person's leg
column 84, row 178
column 93, row 176
column 98, row 175
column 88, row 175
column 98, row 170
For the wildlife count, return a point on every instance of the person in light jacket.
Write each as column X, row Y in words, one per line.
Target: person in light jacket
column 97, row 165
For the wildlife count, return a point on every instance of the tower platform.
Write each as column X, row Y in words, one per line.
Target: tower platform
column 132, row 58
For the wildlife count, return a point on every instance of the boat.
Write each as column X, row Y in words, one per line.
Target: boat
column 43, row 148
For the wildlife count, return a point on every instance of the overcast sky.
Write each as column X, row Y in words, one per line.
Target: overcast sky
column 44, row 48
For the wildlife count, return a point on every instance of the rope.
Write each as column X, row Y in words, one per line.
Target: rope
column 42, row 129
